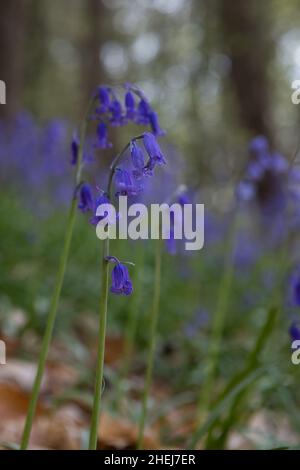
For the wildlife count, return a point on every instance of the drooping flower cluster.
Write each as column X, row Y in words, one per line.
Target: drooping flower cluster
column 112, row 111
column 127, row 182
column 135, row 108
column 265, row 177
column 144, row 152
column 271, row 183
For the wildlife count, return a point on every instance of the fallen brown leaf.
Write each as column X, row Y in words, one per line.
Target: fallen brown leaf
column 117, row 433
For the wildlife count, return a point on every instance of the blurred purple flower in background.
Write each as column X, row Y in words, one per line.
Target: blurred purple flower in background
column 294, row 288
column 246, row 250
column 200, row 319
column 74, row 148
column 271, row 185
column 34, row 160
column 102, row 135
column 266, row 177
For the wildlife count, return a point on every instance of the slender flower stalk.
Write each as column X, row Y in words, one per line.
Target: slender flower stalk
column 152, row 343
column 57, row 291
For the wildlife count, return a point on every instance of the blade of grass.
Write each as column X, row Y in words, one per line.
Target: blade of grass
column 222, row 405
column 251, row 364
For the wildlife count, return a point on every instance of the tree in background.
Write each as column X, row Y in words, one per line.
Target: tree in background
column 13, row 20
column 96, row 19
column 246, row 34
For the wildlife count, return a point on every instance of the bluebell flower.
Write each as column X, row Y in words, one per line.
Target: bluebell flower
column 125, row 183
column 259, row 145
column 183, row 198
column 121, row 283
column 104, row 99
column 85, row 203
column 137, row 158
column 117, row 118
column 143, row 112
column 154, row 152
column 102, row 135
column 146, row 115
column 245, row 191
column 130, row 105
column 149, row 167
column 279, row 163
column 266, row 179
column 74, row 148
column 154, row 123
column 101, row 199
column 294, row 331
column 256, row 169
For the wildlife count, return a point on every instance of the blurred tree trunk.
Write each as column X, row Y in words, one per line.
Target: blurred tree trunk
column 36, row 54
column 246, row 35
column 12, row 39
column 96, row 15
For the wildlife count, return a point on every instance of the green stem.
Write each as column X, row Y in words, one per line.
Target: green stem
column 100, row 350
column 56, row 293
column 217, row 327
column 151, row 351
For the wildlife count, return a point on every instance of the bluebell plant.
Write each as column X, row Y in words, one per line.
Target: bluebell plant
column 123, row 180
column 107, row 110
